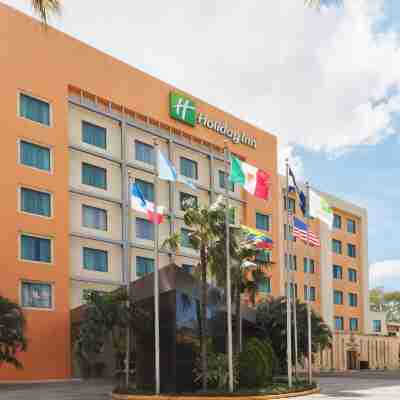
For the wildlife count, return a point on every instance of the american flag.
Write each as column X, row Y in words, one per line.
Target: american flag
column 300, row 230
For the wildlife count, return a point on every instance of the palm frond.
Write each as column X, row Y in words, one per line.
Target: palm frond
column 44, row 8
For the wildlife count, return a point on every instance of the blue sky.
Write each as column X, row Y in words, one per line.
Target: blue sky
column 325, row 82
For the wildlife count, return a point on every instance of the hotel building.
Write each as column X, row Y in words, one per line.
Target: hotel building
column 78, row 126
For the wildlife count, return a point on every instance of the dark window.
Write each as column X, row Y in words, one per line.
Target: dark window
column 35, row 156
column 185, row 238
column 34, row 109
column 309, row 266
column 144, row 266
column 94, row 176
column 35, row 249
column 291, row 204
column 147, row 188
column 94, row 218
column 265, row 285
column 36, row 295
column 377, row 325
column 351, row 226
column 353, row 300
column 337, row 272
column 292, row 262
column 262, row 222
column 187, row 200
column 339, row 323
column 337, row 221
column 221, row 176
column 351, row 250
column 144, row 229
column 144, row 152
column 354, row 324
column 337, row 297
column 189, row 168
column 309, row 293
column 352, row 275
column 336, row 246
column 94, row 135
column 95, row 259
column 35, row 202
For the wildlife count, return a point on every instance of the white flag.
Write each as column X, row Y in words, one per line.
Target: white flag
column 319, row 208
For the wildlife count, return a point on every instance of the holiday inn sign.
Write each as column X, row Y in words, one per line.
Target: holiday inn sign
column 183, row 109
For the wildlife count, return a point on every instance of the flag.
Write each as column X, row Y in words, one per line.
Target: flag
column 295, row 189
column 139, row 203
column 300, row 230
column 319, row 208
column 167, row 172
column 262, row 240
column 255, row 181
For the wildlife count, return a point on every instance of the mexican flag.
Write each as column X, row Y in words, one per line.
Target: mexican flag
column 255, row 181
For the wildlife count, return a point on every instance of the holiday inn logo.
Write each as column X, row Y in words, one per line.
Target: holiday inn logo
column 182, row 108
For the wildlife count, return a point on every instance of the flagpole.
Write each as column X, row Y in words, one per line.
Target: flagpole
column 156, row 279
column 295, row 333
column 228, row 271
column 308, row 286
column 288, row 287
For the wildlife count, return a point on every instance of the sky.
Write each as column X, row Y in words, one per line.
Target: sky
column 326, row 82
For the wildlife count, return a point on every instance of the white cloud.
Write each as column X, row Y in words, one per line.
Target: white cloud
column 385, row 274
column 319, row 80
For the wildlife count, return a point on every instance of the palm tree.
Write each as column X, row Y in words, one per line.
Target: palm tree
column 44, row 8
column 12, row 332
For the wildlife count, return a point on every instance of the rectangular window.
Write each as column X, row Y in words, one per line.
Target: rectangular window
column 337, row 221
column 262, row 222
column 353, row 299
column 94, row 176
column 337, row 297
column 95, row 259
column 35, row 249
column 94, row 218
column 35, row 156
column 292, row 262
column 144, row 266
column 144, row 152
column 144, row 229
column 265, row 285
column 309, row 293
column 221, row 176
column 187, row 200
column 285, row 233
column 339, row 323
column 147, row 188
column 185, row 238
column 336, row 246
column 188, row 268
column 189, row 168
column 354, row 324
column 377, row 325
column 34, row 109
column 293, row 290
column 290, row 204
column 351, row 226
column 35, row 202
column 36, row 295
column 309, row 266
column 352, row 275
column 351, row 250
column 94, row 135
column 337, row 272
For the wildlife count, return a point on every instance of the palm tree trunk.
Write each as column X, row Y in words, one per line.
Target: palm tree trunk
column 203, row 336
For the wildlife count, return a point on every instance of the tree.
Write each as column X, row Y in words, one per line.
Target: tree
column 271, row 319
column 12, row 332
column 44, row 8
column 387, row 302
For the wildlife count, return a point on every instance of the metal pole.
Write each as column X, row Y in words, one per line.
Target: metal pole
column 308, row 287
column 156, row 282
column 228, row 272
column 288, row 281
column 128, row 278
column 295, row 333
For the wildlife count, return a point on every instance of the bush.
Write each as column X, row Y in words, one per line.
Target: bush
column 256, row 364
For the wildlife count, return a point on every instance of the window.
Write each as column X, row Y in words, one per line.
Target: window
column 285, row 233
column 336, row 246
column 189, row 168
column 351, row 226
column 337, row 297
column 35, row 156
column 94, row 218
column 221, row 176
column 144, row 152
column 94, row 135
column 309, row 293
column 353, row 299
column 354, row 324
column 187, row 200
column 265, row 285
column 35, row 249
column 293, row 290
column 34, row 109
column 339, row 323
column 292, row 262
column 185, row 238
column 377, row 325
column 309, row 266
column 291, row 204
column 337, row 272
column 262, row 222
column 337, row 221
column 36, row 295
column 95, row 260
column 263, row 256
column 352, row 275
column 188, row 268
column 351, row 250
column 147, row 188
column 94, row 176
column 35, row 202
column 144, row 266
column 144, row 229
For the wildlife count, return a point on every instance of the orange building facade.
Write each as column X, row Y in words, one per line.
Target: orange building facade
column 78, row 126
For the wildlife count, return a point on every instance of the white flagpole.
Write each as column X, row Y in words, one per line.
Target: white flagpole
column 308, row 287
column 295, row 333
column 228, row 272
column 156, row 279
column 288, row 295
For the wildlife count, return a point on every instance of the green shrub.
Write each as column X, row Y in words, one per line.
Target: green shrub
column 256, row 364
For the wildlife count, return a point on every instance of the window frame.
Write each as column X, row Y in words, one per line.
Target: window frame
column 52, row 291
column 352, row 319
column 341, row 272
column 355, row 297
column 340, row 318
column 52, row 253
column 98, row 148
column 232, row 186
column 337, row 217
column 354, row 224
column 94, row 186
column 42, row 99
column 149, row 165
column 341, row 246
column 373, row 326
column 335, row 292
column 196, row 178
column 268, row 220
column 95, row 208
column 34, row 143
column 147, row 183
column 136, row 229
column 354, row 252
column 20, row 190
column 268, row 284
column 351, row 270
column 189, row 195
column 136, row 266
column 100, row 250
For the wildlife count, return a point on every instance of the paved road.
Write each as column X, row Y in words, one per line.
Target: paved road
column 362, row 386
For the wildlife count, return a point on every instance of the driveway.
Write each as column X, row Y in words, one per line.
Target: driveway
column 359, row 385
column 76, row 390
